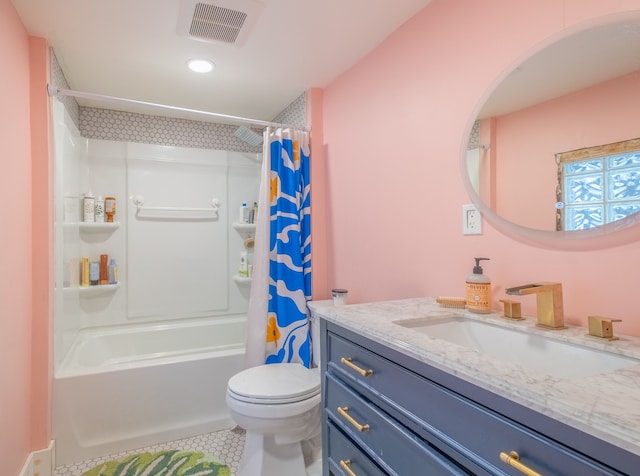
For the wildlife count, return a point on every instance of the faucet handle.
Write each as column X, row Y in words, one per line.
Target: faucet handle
column 512, row 309
column 602, row 327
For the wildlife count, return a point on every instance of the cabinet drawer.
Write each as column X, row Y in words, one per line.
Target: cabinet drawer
column 473, row 431
column 392, row 446
column 342, row 452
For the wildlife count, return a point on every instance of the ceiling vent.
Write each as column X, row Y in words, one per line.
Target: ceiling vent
column 225, row 21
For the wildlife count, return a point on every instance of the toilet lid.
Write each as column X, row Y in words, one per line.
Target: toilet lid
column 275, row 383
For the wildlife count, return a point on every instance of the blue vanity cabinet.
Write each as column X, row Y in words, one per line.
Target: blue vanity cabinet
column 398, row 415
column 389, row 444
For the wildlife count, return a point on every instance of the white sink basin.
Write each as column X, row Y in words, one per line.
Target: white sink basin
column 532, row 351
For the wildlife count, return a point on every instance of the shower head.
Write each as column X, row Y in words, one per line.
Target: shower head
column 247, row 135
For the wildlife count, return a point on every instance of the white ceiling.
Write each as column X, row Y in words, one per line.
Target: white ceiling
column 131, row 49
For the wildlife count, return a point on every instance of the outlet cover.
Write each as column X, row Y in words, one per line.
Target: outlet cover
column 471, row 220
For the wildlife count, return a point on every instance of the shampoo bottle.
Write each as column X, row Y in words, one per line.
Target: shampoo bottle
column 478, row 298
column 88, row 207
column 244, row 213
column 243, row 269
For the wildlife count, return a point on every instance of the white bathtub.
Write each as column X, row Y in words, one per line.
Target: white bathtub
column 128, row 387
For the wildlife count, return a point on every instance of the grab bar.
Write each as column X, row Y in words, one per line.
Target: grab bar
column 176, row 212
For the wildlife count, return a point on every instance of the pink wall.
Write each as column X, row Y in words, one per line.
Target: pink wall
column 26, row 252
column 395, row 127
column 42, row 244
column 318, row 193
column 529, row 140
column 15, row 251
column 393, row 130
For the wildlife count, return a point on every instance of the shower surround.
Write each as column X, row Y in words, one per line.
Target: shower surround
column 173, row 327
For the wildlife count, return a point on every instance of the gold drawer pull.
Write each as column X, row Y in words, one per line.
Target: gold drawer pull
column 345, row 464
column 344, row 411
column 347, row 361
column 513, row 459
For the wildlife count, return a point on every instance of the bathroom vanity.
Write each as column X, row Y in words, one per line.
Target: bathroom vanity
column 399, row 401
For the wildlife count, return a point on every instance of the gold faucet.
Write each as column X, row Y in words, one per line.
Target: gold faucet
column 549, row 301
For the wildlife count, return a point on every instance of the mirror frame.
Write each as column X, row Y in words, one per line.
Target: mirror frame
column 609, row 235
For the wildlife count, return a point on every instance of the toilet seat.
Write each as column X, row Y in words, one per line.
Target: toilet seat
column 274, row 384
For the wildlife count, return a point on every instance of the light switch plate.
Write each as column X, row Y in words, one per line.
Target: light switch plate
column 471, row 220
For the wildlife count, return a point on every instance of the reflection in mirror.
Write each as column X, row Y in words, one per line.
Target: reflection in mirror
column 579, row 91
column 597, row 185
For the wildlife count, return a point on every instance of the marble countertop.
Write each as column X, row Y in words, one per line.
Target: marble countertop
column 606, row 406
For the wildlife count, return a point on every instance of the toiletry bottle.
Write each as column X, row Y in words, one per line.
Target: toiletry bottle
column 478, row 285
column 244, row 213
column 88, row 207
column 255, row 212
column 243, row 269
column 110, row 208
column 84, row 271
column 113, row 271
column 99, row 210
column 94, row 273
column 104, row 269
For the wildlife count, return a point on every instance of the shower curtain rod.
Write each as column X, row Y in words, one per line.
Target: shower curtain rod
column 55, row 91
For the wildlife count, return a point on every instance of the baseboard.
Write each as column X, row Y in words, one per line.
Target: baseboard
column 39, row 463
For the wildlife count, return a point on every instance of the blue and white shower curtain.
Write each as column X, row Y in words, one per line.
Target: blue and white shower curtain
column 282, row 255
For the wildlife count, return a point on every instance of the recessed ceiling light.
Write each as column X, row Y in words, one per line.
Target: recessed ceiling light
column 200, row 65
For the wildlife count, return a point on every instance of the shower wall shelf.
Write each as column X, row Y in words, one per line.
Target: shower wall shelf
column 244, row 227
column 90, row 227
column 94, row 290
column 242, row 279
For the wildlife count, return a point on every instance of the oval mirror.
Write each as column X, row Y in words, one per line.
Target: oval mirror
column 580, row 93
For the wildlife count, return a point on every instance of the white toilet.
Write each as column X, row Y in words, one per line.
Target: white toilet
column 279, row 407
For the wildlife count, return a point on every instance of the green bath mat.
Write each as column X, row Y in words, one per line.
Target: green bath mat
column 165, row 463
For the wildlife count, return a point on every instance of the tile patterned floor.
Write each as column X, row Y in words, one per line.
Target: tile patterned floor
column 227, row 445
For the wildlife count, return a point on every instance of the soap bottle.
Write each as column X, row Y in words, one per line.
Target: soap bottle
column 478, row 294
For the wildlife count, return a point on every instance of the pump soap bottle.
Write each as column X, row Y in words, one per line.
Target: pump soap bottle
column 478, row 290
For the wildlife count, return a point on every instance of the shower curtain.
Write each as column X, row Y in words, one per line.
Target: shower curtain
column 278, row 329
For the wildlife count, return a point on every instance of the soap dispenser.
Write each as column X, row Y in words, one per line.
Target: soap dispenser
column 478, row 295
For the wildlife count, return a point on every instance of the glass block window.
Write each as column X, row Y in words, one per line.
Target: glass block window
column 600, row 190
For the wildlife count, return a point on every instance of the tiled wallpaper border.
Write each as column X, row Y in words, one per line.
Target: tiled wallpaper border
column 474, row 137
column 122, row 126
column 107, row 124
